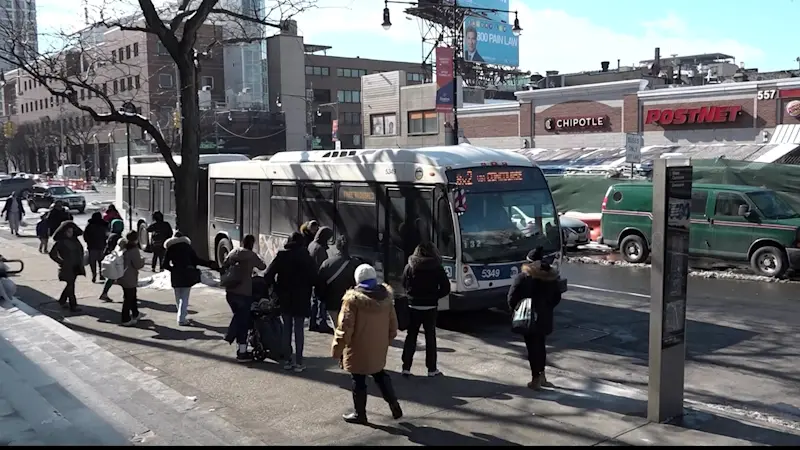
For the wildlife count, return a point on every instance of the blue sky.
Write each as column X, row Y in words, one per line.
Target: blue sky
column 568, row 36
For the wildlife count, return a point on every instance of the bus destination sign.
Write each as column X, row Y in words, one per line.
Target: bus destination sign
column 470, row 177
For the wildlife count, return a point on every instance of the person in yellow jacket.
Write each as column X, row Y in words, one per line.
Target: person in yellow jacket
column 367, row 326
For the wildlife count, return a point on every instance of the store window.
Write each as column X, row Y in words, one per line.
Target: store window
column 383, row 124
column 423, row 122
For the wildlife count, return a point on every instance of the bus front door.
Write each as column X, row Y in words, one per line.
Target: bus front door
column 408, row 222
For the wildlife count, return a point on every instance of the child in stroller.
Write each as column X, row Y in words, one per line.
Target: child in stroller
column 266, row 333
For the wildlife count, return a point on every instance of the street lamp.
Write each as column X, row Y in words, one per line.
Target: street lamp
column 129, row 109
column 515, row 29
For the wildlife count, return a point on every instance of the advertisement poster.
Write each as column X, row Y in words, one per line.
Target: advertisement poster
column 490, row 42
column 335, row 130
column 444, row 79
column 676, row 254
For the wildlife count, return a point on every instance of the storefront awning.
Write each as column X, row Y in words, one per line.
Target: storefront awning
column 786, row 134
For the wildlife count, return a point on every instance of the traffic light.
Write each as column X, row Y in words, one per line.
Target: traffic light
column 8, row 129
column 176, row 119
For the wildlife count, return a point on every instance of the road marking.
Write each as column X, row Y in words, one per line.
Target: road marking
column 610, row 291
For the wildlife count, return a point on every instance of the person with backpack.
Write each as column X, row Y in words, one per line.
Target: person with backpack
column 237, row 279
column 67, row 252
column 335, row 278
column 292, row 274
column 538, row 282
column 117, row 226
column 132, row 262
column 318, row 250
column 43, row 233
column 181, row 261
column 160, row 231
column 425, row 282
column 95, row 235
column 111, row 214
column 367, row 327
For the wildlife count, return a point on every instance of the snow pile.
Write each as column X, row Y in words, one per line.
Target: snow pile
column 98, row 205
column 163, row 280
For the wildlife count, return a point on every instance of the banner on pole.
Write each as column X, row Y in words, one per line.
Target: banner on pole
column 444, row 79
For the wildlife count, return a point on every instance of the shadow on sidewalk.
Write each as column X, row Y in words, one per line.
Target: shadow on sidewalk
column 430, row 436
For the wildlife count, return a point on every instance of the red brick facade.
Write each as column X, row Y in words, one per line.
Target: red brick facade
column 575, row 109
column 525, row 120
column 630, row 114
column 490, row 126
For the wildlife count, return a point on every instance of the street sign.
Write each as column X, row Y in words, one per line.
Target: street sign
column 63, row 156
column 633, row 148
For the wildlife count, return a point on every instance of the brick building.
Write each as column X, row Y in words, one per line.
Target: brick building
column 755, row 116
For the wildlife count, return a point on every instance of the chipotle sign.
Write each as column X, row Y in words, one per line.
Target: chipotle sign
column 575, row 123
column 684, row 116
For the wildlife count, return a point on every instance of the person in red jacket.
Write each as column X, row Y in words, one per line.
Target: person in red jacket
column 111, row 214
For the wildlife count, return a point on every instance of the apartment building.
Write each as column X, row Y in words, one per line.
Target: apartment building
column 18, row 19
column 126, row 66
column 335, row 83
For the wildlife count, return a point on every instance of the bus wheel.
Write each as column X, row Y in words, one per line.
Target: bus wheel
column 224, row 247
column 143, row 237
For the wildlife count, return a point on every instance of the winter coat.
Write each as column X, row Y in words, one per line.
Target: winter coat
column 95, row 233
column 68, row 252
column 55, row 218
column 308, row 236
column 109, row 216
column 7, row 207
column 319, row 248
column 367, row 326
column 331, row 293
column 133, row 261
column 182, row 261
column 248, row 260
column 425, row 281
column 159, row 231
column 117, row 227
column 293, row 273
column 42, row 229
column 540, row 284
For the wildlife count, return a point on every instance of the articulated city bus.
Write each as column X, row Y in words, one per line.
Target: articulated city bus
column 484, row 209
column 154, row 189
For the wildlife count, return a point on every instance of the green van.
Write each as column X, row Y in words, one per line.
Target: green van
column 734, row 223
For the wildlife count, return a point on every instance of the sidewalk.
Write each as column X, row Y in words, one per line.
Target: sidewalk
column 160, row 385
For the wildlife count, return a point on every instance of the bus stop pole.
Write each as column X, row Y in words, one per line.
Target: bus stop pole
column 130, row 178
column 672, row 200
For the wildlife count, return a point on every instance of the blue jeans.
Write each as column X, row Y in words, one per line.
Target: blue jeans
column 298, row 323
column 319, row 316
column 241, row 320
column 182, row 302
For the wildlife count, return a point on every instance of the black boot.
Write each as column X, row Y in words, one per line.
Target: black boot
column 387, row 391
column 360, row 405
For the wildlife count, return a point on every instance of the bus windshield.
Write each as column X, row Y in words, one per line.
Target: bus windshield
column 501, row 221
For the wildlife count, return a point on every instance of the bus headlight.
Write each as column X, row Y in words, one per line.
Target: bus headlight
column 469, row 280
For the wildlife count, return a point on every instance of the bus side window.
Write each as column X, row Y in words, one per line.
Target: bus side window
column 444, row 228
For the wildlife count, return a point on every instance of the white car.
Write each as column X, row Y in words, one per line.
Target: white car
column 574, row 232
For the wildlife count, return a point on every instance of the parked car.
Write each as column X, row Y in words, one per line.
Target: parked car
column 22, row 186
column 574, row 231
column 590, row 219
column 728, row 222
column 44, row 195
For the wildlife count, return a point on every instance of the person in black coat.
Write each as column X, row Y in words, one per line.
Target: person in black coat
column 160, row 231
column 538, row 282
column 293, row 273
column 319, row 252
column 425, row 282
column 57, row 216
column 95, row 235
column 182, row 261
column 309, row 231
column 335, row 278
column 67, row 252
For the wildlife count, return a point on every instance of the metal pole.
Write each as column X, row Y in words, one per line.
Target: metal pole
column 455, row 75
column 130, row 178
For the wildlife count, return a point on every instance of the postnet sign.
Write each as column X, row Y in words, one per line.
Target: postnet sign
column 687, row 116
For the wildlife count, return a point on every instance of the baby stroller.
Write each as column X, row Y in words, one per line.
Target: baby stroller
column 266, row 334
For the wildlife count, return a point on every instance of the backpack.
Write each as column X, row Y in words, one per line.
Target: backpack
column 113, row 265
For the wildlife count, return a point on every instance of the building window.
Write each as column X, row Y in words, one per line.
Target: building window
column 105, row 90
column 423, row 122
column 113, row 56
column 349, row 96
column 121, row 53
column 165, row 80
column 351, row 118
column 208, row 81
column 135, row 49
column 414, row 77
column 318, row 71
column 160, row 49
column 322, row 95
column 351, row 73
column 122, row 85
column 127, row 52
column 383, row 124
column 136, row 81
column 130, row 83
column 83, row 94
column 356, row 140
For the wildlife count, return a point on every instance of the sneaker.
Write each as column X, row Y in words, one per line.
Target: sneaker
column 140, row 316
column 244, row 356
column 130, row 323
column 94, row 279
column 435, row 373
column 102, row 279
column 106, row 298
column 288, row 366
column 298, row 368
column 406, row 373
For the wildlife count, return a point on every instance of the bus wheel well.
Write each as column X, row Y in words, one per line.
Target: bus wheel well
column 763, row 243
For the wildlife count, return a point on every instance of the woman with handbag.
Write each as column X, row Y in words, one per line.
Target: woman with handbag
column 536, row 289
column 181, row 261
column 237, row 279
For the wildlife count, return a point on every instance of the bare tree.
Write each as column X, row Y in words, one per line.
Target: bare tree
column 77, row 74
